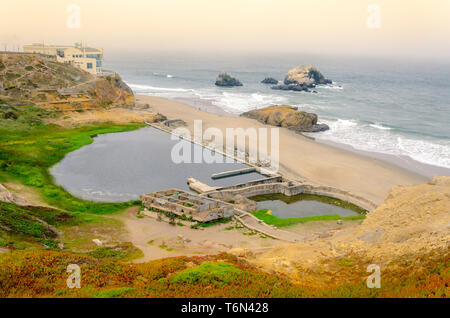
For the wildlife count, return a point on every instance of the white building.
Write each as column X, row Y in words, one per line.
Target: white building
column 87, row 58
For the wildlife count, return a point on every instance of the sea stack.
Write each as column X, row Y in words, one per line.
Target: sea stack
column 302, row 78
column 269, row 80
column 226, row 80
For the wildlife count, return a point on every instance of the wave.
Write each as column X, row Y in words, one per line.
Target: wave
column 381, row 139
column 241, row 102
column 377, row 126
column 148, row 89
column 331, row 86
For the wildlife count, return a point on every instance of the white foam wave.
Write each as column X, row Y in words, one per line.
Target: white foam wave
column 379, row 127
column 148, row 89
column 242, row 102
column 366, row 137
column 331, row 86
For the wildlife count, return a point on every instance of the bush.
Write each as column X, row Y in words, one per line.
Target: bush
column 216, row 273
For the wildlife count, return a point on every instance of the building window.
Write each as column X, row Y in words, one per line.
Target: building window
column 89, row 65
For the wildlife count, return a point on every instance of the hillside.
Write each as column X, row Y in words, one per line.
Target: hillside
column 411, row 228
column 35, row 79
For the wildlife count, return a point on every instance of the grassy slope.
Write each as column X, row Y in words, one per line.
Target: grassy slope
column 43, row 274
column 28, row 149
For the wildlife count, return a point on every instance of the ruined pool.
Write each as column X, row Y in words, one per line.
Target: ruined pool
column 300, row 206
column 120, row 167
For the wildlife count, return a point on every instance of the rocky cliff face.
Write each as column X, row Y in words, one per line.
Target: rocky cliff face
column 288, row 117
column 303, row 78
column 34, row 79
column 226, row 80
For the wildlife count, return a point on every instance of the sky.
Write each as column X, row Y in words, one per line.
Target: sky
column 417, row 28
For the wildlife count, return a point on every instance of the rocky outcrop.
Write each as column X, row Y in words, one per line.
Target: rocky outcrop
column 226, row 80
column 31, row 79
column 287, row 116
column 269, row 80
column 303, row 78
column 7, row 196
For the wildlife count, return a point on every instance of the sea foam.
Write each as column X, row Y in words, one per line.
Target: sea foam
column 381, row 139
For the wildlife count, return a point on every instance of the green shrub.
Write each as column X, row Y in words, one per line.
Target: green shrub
column 279, row 222
column 216, row 273
column 113, row 293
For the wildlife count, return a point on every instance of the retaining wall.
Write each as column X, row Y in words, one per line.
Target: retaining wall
column 289, row 190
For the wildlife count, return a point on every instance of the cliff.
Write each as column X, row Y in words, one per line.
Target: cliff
column 34, row 79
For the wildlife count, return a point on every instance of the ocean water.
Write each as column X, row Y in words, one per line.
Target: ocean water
column 387, row 106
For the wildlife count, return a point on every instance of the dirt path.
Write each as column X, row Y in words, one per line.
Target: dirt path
column 160, row 239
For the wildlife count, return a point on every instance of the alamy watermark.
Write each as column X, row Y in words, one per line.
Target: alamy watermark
column 250, row 145
column 74, row 18
column 374, row 16
column 74, row 279
column 374, row 279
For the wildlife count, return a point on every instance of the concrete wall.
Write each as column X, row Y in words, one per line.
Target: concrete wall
column 290, row 190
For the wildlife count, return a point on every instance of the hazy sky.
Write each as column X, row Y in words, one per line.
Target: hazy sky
column 412, row 27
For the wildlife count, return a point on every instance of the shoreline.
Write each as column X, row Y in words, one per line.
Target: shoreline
column 301, row 158
column 404, row 162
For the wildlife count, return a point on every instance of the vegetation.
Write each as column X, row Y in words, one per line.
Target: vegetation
column 278, row 222
column 43, row 274
column 123, row 252
column 216, row 273
column 308, row 197
column 208, row 224
column 32, row 225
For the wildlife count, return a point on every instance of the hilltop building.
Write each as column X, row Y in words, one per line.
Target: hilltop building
column 86, row 58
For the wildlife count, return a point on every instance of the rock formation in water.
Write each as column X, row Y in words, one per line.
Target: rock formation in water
column 302, row 78
column 269, row 80
column 226, row 80
column 287, row 116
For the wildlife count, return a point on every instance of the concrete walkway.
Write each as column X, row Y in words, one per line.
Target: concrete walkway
column 252, row 222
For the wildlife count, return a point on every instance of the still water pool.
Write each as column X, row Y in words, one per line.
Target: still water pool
column 122, row 166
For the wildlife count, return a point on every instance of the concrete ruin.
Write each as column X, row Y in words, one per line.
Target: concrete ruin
column 184, row 203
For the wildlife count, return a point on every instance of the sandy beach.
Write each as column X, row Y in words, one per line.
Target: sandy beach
column 302, row 158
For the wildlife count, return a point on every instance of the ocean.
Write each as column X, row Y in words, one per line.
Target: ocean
column 382, row 106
